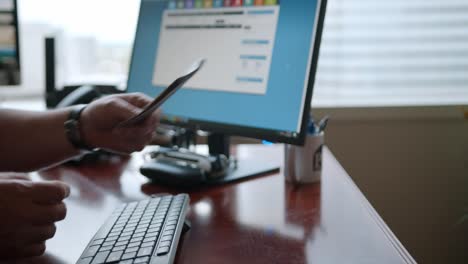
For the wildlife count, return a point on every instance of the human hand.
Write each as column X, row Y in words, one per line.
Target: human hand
column 100, row 120
column 28, row 212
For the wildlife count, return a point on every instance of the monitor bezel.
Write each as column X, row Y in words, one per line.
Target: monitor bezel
column 253, row 132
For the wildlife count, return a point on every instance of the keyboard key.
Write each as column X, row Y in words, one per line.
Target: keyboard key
column 122, row 243
column 145, row 251
column 141, row 234
column 150, row 239
column 157, row 221
column 162, row 251
column 147, row 221
column 165, row 244
column 126, row 234
column 120, row 224
column 151, row 234
column 136, row 239
column 111, row 239
column 114, row 256
column 147, row 244
column 128, row 230
column 110, row 243
column 136, row 244
column 157, row 228
column 117, row 230
column 153, row 230
column 140, row 230
column 85, row 260
column 171, row 227
column 100, row 257
column 132, row 249
column 119, row 248
column 168, row 233
column 115, row 234
column 90, row 252
column 108, row 248
column 172, row 220
column 97, row 242
column 143, row 225
column 166, row 238
column 125, row 238
column 118, row 227
column 155, row 225
column 141, row 260
column 133, row 221
column 129, row 255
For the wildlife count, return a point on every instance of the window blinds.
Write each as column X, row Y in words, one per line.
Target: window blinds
column 387, row 53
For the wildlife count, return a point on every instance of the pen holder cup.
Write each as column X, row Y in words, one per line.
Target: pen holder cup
column 303, row 164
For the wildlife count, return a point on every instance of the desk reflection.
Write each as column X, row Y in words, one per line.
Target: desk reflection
column 263, row 220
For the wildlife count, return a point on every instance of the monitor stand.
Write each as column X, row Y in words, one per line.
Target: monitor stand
column 241, row 168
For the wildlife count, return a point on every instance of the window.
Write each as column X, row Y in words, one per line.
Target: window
column 374, row 53
column 393, row 53
column 94, row 40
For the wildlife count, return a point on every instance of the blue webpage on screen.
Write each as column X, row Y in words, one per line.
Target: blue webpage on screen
column 258, row 57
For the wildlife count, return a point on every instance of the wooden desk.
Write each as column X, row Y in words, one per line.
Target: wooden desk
column 258, row 221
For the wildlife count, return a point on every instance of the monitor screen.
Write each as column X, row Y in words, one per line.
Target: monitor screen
column 9, row 52
column 261, row 58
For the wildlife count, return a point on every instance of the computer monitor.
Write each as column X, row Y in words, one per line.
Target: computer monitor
column 261, row 58
column 9, row 44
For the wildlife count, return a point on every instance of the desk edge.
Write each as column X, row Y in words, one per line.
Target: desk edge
column 394, row 241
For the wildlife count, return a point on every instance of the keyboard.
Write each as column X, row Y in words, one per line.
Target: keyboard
column 147, row 231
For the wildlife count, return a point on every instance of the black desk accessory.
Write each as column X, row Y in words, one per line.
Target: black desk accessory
column 181, row 168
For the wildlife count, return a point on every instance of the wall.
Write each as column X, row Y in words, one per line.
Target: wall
column 412, row 164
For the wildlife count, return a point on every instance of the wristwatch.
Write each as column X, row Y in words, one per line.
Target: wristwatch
column 72, row 129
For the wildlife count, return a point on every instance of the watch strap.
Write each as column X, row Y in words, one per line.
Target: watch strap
column 72, row 128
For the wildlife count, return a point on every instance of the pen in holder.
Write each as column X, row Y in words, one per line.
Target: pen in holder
column 303, row 164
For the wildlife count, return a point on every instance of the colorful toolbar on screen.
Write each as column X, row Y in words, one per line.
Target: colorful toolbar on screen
column 189, row 4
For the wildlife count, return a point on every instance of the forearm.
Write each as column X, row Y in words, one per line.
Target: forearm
column 33, row 140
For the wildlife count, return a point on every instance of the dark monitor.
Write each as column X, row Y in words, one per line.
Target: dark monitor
column 261, row 59
column 9, row 44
